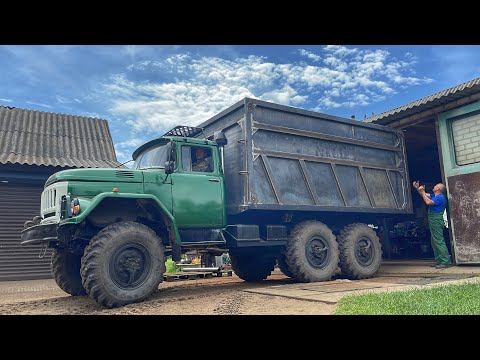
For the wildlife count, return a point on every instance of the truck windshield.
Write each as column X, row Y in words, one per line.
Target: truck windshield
column 152, row 158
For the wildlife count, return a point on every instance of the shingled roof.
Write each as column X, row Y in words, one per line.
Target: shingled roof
column 42, row 138
column 436, row 100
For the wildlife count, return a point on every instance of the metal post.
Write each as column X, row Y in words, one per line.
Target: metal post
column 222, row 159
column 386, row 239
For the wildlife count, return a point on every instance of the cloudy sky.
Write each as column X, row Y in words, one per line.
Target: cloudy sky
column 143, row 91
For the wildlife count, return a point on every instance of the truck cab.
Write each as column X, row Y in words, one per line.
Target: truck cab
column 193, row 195
column 171, row 200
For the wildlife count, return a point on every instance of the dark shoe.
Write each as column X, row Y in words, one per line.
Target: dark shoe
column 433, row 265
column 443, row 266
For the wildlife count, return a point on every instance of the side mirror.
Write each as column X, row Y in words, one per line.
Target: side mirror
column 220, row 138
column 169, row 167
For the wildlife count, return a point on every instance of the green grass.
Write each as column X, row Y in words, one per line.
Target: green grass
column 442, row 300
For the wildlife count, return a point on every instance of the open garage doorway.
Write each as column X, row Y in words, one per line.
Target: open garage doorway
column 409, row 236
column 442, row 142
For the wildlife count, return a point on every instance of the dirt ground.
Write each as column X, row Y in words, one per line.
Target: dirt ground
column 278, row 295
column 214, row 296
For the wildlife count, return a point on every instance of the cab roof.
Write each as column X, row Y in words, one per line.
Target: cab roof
column 164, row 139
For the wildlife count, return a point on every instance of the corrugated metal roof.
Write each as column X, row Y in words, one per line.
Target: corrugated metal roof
column 43, row 138
column 440, row 98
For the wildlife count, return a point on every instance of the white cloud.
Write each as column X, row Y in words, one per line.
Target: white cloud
column 64, row 100
column 93, row 115
column 132, row 142
column 410, row 56
column 61, row 99
column 38, row 104
column 159, row 107
column 340, row 51
column 286, row 96
column 336, row 63
column 194, row 88
column 6, row 100
column 355, row 100
column 310, row 55
column 252, row 71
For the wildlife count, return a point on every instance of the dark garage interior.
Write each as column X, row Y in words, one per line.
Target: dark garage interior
column 409, row 236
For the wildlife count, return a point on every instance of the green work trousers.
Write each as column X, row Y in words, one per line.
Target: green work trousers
column 440, row 251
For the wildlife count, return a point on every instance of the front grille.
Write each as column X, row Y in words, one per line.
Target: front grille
column 50, row 201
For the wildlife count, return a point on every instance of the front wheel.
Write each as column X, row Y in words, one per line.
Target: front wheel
column 282, row 264
column 124, row 263
column 65, row 268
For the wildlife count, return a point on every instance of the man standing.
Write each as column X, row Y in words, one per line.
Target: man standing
column 436, row 206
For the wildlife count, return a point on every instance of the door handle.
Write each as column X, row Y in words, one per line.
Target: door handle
column 214, row 179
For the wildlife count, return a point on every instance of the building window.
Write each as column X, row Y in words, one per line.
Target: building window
column 466, row 139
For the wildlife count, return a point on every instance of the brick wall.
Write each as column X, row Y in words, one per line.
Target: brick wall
column 466, row 140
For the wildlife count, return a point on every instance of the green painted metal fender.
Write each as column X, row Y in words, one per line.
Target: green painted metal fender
column 88, row 205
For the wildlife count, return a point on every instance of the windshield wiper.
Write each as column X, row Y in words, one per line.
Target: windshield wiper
column 126, row 162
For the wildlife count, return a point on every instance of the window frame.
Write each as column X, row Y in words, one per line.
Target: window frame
column 208, row 149
column 452, row 134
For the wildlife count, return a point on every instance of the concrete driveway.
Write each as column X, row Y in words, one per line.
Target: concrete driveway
column 278, row 295
column 392, row 276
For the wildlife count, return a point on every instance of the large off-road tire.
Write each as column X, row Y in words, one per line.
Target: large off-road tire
column 360, row 251
column 312, row 252
column 124, row 263
column 252, row 267
column 65, row 267
column 282, row 264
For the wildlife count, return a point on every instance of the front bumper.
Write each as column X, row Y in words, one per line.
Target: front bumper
column 43, row 233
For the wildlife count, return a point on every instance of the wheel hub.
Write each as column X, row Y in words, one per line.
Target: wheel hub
column 130, row 265
column 317, row 252
column 364, row 251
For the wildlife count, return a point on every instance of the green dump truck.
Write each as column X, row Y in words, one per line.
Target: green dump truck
column 265, row 182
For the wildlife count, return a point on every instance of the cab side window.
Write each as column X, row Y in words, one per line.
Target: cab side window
column 197, row 159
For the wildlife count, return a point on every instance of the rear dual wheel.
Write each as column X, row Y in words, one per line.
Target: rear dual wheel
column 360, row 251
column 312, row 252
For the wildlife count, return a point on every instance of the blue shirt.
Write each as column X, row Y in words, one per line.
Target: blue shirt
column 440, row 203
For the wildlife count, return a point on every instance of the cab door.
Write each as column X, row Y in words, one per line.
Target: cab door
column 460, row 144
column 198, row 196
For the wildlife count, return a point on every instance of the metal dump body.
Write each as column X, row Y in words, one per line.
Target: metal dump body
column 284, row 158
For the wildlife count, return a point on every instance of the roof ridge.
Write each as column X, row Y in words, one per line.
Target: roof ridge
column 50, row 112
